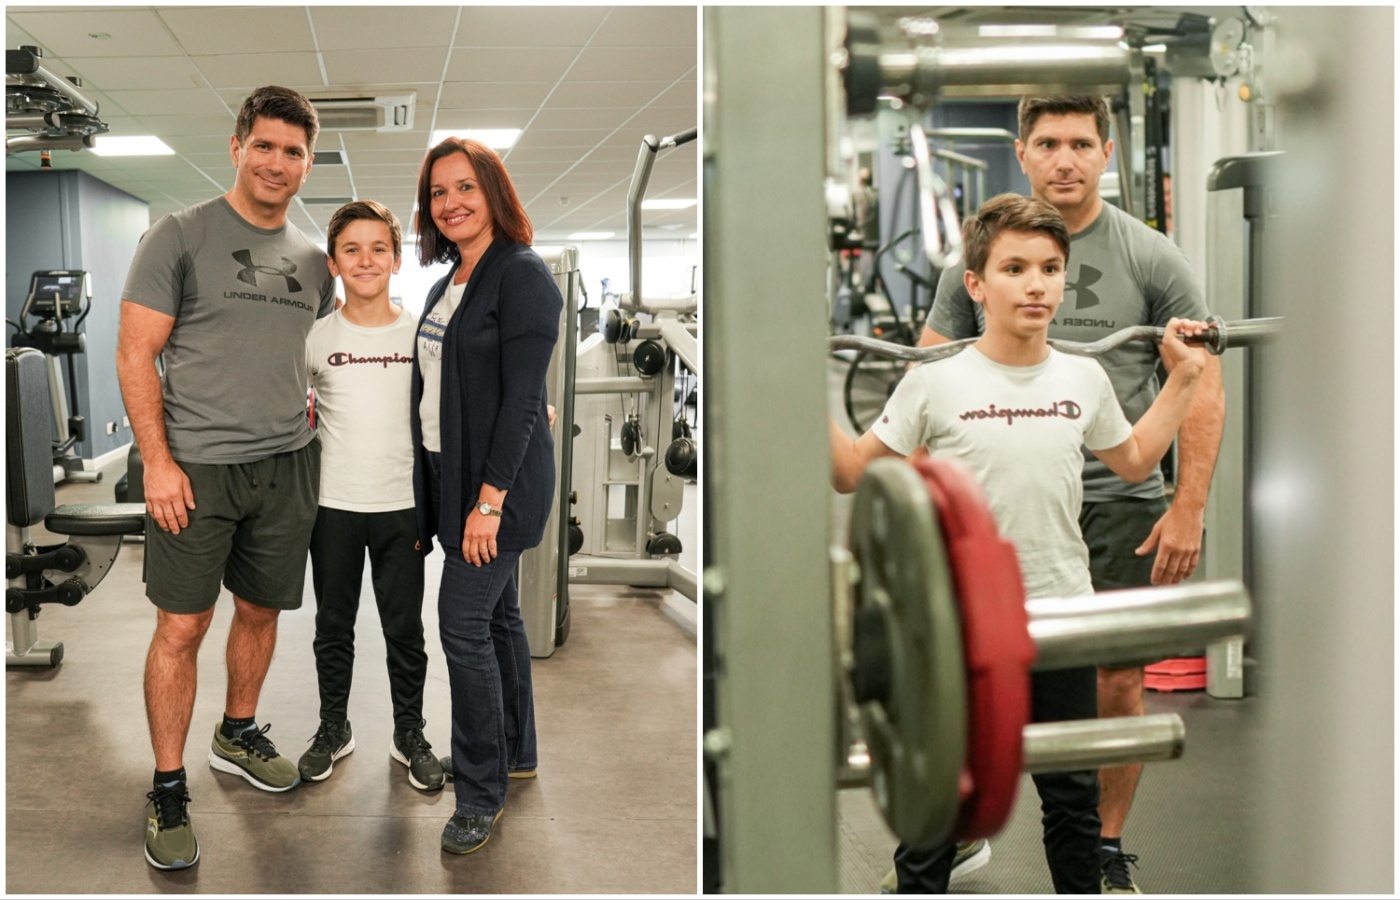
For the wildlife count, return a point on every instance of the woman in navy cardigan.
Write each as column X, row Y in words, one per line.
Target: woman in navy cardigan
column 483, row 473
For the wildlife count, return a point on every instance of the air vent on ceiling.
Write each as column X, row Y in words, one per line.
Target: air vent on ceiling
column 390, row 112
column 328, row 158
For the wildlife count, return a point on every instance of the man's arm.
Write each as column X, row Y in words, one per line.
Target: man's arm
column 849, row 458
column 1177, row 535
column 1134, row 459
column 931, row 337
column 140, row 338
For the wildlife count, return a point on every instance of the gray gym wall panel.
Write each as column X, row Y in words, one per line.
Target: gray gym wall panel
column 71, row 220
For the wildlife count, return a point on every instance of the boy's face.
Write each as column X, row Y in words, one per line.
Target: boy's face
column 1064, row 159
column 364, row 258
column 1022, row 284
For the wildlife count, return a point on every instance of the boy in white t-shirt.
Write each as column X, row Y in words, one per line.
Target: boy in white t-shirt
column 1018, row 413
column 360, row 361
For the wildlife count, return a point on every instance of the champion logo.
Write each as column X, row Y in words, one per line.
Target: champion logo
column 249, row 273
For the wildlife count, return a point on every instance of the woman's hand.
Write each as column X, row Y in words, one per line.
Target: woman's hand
column 479, row 538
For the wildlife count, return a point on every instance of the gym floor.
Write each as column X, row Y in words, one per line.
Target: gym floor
column 612, row 811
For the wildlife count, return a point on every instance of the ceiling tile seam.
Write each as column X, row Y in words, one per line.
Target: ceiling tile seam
column 208, row 85
column 599, row 144
column 560, row 80
column 325, row 82
column 442, row 77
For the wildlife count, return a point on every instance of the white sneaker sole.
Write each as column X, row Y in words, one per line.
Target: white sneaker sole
column 220, row 764
column 342, row 752
column 973, row 863
column 173, row 868
column 395, row 754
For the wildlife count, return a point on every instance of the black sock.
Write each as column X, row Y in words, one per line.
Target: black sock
column 170, row 779
column 232, row 728
column 1114, row 844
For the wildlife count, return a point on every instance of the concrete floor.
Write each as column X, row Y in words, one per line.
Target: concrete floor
column 613, row 810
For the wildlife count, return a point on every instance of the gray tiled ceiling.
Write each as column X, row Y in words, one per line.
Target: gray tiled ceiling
column 586, row 84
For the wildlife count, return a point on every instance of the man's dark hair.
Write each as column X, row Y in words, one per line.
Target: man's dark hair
column 1032, row 108
column 273, row 102
column 363, row 209
column 1010, row 212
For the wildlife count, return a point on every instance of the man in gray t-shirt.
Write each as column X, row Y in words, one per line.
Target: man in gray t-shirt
column 225, row 293
column 1121, row 273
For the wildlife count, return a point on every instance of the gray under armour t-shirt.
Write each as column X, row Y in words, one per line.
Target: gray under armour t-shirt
column 244, row 299
column 1121, row 273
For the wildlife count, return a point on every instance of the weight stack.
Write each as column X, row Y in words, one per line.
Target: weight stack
column 1187, row 673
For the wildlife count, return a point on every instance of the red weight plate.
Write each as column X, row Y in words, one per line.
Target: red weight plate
column 998, row 650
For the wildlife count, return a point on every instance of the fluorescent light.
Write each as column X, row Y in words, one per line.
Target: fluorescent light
column 495, row 138
column 590, row 235
column 144, row 145
column 668, row 204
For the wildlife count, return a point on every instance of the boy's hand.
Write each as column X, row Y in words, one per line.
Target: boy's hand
column 1176, row 353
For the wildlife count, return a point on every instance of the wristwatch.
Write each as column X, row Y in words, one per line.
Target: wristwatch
column 486, row 509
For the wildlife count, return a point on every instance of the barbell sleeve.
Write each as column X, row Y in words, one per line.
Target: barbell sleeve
column 1092, row 743
column 1143, row 623
column 1067, row 746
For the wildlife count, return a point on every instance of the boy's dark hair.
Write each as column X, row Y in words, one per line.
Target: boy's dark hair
column 1010, row 212
column 363, row 209
column 508, row 218
column 273, row 102
column 1032, row 108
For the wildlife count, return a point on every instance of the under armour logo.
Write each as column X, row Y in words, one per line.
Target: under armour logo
column 1083, row 297
column 249, row 273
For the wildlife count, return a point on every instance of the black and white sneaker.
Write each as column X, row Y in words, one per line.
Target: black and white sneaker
column 330, row 742
column 413, row 750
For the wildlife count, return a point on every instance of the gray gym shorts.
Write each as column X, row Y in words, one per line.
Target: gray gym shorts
column 249, row 531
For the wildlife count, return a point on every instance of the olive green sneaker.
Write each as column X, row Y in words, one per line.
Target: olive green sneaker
column 170, row 840
column 970, row 856
column 252, row 756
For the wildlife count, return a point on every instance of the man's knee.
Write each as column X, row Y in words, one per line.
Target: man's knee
column 180, row 633
column 1120, row 690
column 251, row 615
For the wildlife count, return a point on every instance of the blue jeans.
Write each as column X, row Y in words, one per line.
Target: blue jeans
column 488, row 668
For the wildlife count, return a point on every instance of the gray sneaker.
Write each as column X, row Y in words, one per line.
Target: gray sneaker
column 252, row 756
column 170, row 840
column 468, row 834
column 413, row 750
column 330, row 742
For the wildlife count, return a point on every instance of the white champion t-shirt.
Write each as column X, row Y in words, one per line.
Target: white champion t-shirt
column 1021, row 430
column 363, row 382
column 430, row 343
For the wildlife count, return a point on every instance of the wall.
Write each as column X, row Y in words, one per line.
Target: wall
column 71, row 220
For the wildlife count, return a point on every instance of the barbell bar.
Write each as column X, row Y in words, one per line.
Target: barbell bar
column 1219, row 337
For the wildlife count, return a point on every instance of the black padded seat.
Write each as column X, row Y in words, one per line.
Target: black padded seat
column 80, row 519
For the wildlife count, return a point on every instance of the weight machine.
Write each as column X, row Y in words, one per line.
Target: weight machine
column 903, row 643
column 60, row 299
column 43, row 111
column 633, row 452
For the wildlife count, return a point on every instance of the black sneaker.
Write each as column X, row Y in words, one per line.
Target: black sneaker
column 414, row 751
column 468, row 834
column 170, row 840
column 1116, row 876
column 330, row 742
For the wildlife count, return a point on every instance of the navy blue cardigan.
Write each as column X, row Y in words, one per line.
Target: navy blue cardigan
column 493, row 421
